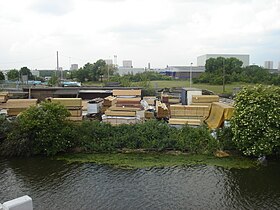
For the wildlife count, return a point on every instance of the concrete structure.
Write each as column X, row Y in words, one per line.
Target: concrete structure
column 74, row 67
column 201, row 60
column 183, row 72
column 127, row 64
column 109, row 61
column 268, row 64
column 127, row 70
column 22, row 203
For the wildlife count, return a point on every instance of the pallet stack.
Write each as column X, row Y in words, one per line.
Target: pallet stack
column 73, row 105
column 126, row 109
column 16, row 106
column 170, row 99
column 150, row 100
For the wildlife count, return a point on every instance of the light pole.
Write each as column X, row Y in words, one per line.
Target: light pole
column 224, row 77
column 191, row 75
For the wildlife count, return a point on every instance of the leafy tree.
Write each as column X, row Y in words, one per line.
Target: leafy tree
column 13, row 74
column 40, row 130
column 53, row 81
column 256, row 122
column 26, row 71
column 2, row 76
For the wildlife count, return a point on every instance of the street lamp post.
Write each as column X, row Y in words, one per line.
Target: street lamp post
column 191, row 75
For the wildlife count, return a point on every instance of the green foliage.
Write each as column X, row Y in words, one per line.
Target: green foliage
column 151, row 135
column 2, row 77
column 256, row 122
column 40, row 130
column 26, row 71
column 225, row 138
column 235, row 73
column 13, row 74
column 196, row 140
column 5, row 128
column 53, row 81
column 93, row 72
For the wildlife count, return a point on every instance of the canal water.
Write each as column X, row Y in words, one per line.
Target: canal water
column 57, row 185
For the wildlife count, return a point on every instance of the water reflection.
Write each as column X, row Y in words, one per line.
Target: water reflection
column 58, row 185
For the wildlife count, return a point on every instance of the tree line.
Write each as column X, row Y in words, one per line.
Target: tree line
column 232, row 71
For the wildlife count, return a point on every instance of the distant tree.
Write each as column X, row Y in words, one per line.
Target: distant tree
column 26, row 71
column 13, row 74
column 53, row 81
column 2, row 76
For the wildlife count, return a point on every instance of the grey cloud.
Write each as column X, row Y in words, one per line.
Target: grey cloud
column 53, row 7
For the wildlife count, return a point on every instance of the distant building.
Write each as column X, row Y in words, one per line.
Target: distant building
column 127, row 64
column 183, row 72
column 201, row 60
column 123, row 70
column 74, row 67
column 268, row 64
column 278, row 66
column 109, row 61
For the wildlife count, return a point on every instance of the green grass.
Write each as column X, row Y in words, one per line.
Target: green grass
column 181, row 83
column 148, row 160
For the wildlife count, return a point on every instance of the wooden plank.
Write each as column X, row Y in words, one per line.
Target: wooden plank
column 68, row 102
column 205, row 98
column 127, row 92
column 15, row 111
column 75, row 118
column 179, row 121
column 115, row 108
column 120, row 113
column 20, row 103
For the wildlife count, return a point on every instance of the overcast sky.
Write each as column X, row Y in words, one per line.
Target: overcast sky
column 162, row 32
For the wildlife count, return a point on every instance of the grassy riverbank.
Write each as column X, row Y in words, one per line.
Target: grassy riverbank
column 158, row 160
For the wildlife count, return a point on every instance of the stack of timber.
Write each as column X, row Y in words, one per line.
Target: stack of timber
column 73, row 105
column 189, row 111
column 170, row 99
column 126, row 109
column 108, row 102
column 4, row 97
column 161, row 110
column 16, row 106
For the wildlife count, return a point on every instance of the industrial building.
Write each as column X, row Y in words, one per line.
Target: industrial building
column 183, row 72
column 125, row 70
column 268, row 64
column 127, row 64
column 201, row 60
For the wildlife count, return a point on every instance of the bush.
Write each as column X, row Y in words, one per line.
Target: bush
column 40, row 130
column 256, row 122
column 196, row 140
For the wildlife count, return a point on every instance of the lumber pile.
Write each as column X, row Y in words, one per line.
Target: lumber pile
column 16, row 106
column 126, row 108
column 73, row 105
column 170, row 99
column 4, row 97
column 108, row 102
column 182, row 111
column 205, row 98
column 161, row 110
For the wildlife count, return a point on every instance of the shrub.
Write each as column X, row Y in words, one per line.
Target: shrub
column 256, row 122
column 40, row 130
